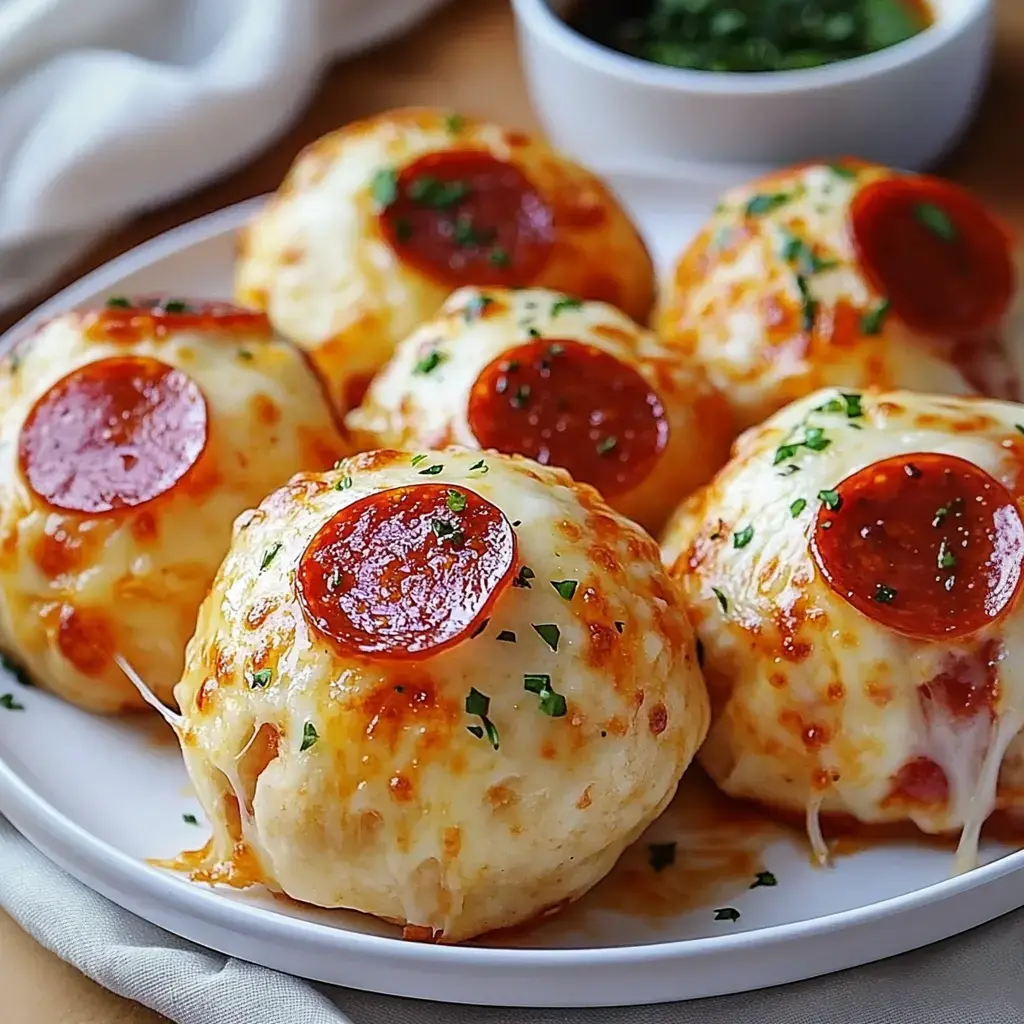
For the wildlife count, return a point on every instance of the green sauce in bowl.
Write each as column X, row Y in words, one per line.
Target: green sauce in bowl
column 748, row 35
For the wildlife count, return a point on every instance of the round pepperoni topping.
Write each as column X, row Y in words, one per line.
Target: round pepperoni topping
column 928, row 545
column 563, row 403
column 113, row 434
column 934, row 252
column 465, row 217
column 128, row 319
column 406, row 572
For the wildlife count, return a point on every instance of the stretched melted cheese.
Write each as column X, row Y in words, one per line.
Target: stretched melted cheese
column 78, row 589
column 421, row 398
column 360, row 782
column 818, row 707
column 317, row 261
column 734, row 303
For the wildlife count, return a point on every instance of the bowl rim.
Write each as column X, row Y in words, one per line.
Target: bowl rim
column 539, row 18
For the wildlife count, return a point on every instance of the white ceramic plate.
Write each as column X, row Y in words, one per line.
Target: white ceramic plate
column 99, row 797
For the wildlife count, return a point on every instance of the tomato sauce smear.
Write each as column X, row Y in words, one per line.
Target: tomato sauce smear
column 464, row 217
column 130, row 319
column 406, row 572
column 567, row 404
column 113, row 434
column 935, row 252
column 928, row 545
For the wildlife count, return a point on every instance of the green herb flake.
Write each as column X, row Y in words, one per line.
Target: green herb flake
column 479, row 629
column 190, row 819
column 260, row 678
column 244, row 353
column 521, row 397
column 384, row 186
column 429, row 362
column 506, row 636
column 499, row 257
column 619, row 626
column 815, row 440
column 549, row 633
column 480, row 467
column 872, row 321
column 1020, row 427
column 808, row 305
column 8, row 703
column 842, row 171
column 564, row 303
column 344, row 483
column 566, row 588
column 118, row 302
column 936, row 220
column 797, row 507
column 741, row 538
column 444, row 530
column 476, row 307
column 727, row 914
column 523, row 577
column 785, row 451
column 309, row 736
column 551, row 703
column 454, row 123
column 661, row 856
column 884, row 594
column 722, row 599
column 797, row 252
column 432, row 470
column 14, row 669
column 269, row 555
column 456, row 501
column 417, row 459
column 765, row 202
column 176, row 306
column 947, row 560
column 429, row 191
column 764, row 880
column 606, row 445
column 831, row 499
column 479, row 705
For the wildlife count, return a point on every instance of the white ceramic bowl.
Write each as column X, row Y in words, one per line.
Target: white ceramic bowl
column 904, row 106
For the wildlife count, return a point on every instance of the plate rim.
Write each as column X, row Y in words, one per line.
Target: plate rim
column 35, row 817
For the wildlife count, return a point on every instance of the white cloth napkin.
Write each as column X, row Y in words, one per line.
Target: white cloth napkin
column 974, row 979
column 110, row 106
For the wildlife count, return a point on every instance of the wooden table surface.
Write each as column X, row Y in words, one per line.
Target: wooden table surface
column 464, row 57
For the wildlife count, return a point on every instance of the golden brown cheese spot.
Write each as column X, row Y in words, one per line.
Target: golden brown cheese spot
column 86, row 638
column 204, row 694
column 778, row 680
column 585, row 799
column 419, row 933
column 144, row 527
column 657, row 719
column 412, row 707
column 616, row 726
column 401, row 787
column 836, row 691
column 265, row 409
column 500, row 795
column 203, row 481
column 570, row 530
column 879, row 693
column 260, row 612
column 60, row 550
column 584, row 209
column 452, row 842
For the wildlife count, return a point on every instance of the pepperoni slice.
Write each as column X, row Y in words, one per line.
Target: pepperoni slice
column 563, row 403
column 928, row 545
column 406, row 572
column 941, row 259
column 128, row 319
column 113, row 434
column 464, row 217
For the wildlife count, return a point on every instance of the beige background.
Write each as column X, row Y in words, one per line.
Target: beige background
column 464, row 57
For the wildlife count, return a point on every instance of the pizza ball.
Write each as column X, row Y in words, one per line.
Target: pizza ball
column 847, row 275
column 854, row 577
column 130, row 439
column 445, row 689
column 568, row 383
column 378, row 222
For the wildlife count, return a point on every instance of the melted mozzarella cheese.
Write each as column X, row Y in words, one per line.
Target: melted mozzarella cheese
column 740, row 296
column 396, row 808
column 78, row 590
column 406, row 407
column 317, row 261
column 819, row 706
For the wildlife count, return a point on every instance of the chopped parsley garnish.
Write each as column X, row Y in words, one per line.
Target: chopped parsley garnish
column 796, row 251
column 606, row 444
column 476, row 306
column 14, row 669
column 722, row 599
column 849, row 173
column 479, row 704
column 809, row 306
column 499, row 257
column 534, row 333
column 521, row 396
column 955, row 506
column 344, row 483
column 765, row 202
column 430, row 362
column 619, row 626
column 506, row 636
column 764, row 879
column 830, row 499
column 454, row 123
column 788, row 470
column 118, row 302
column 432, row 470
column 244, row 353
column 176, row 306
column 481, row 466
column 384, row 186
column 270, row 554
column 551, row 703
column 815, row 440
column 428, row 191
column 848, row 402
column 727, row 914
column 8, row 703
column 467, row 234
column 741, row 538
column 334, row 580
column 190, row 819
column 549, row 633
column 661, row 856
column 871, row 322
column 444, row 530
column 523, row 577
column 936, row 220
column 1020, row 427
column 479, row 629
column 456, row 501
column 884, row 594
column 565, row 588
column 417, row 459
column 565, row 302
column 797, row 507
column 947, row 560
column 260, row 678
column 309, row 736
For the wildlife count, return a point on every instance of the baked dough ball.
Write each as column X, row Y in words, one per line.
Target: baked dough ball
column 568, row 383
column 130, row 439
column 847, row 275
column 445, row 689
column 378, row 222
column 854, row 577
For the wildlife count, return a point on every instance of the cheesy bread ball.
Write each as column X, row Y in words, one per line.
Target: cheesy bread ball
column 378, row 222
column 567, row 383
column 130, row 439
column 848, row 275
column 854, row 577
column 445, row 689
